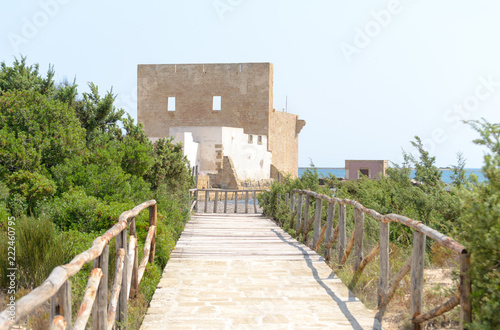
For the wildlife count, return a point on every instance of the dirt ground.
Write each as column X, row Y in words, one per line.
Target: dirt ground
column 437, row 289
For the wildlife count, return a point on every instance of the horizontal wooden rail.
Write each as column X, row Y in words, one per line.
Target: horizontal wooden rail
column 57, row 285
column 418, row 225
column 323, row 236
column 231, row 190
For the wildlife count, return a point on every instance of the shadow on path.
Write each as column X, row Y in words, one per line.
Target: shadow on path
column 342, row 305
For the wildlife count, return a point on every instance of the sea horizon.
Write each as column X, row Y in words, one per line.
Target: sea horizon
column 340, row 172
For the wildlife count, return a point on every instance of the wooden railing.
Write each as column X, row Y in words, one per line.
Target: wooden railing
column 128, row 276
column 221, row 196
column 326, row 235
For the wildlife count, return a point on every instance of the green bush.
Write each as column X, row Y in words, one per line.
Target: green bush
column 38, row 126
column 170, row 167
column 31, row 187
column 39, row 249
column 479, row 228
column 76, row 242
column 267, row 199
column 79, row 162
column 79, row 211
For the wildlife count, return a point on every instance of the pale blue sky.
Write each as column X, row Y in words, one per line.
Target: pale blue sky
column 416, row 68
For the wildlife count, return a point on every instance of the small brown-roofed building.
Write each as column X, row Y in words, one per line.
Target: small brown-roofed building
column 370, row 168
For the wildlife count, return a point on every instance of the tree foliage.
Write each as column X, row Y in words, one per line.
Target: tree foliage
column 168, row 167
column 37, row 133
column 98, row 114
column 479, row 228
column 70, row 165
column 21, row 76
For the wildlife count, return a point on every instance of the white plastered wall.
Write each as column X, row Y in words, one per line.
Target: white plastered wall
column 251, row 160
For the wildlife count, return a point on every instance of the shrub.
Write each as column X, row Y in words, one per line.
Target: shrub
column 479, row 227
column 31, row 187
column 170, row 167
column 73, row 210
column 45, row 128
column 39, row 249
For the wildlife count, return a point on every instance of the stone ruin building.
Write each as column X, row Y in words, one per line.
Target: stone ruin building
column 223, row 115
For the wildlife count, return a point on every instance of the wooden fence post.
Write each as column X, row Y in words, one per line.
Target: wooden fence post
column 254, row 201
column 121, row 310
column 359, row 219
column 342, row 232
column 287, row 197
column 417, row 277
column 465, row 290
column 317, row 221
column 196, row 176
column 329, row 228
column 59, row 323
column 152, row 222
column 305, row 218
column 383, row 281
column 299, row 214
column 197, row 201
column 246, row 202
column 216, row 199
column 225, row 202
column 134, row 285
column 236, row 201
column 292, row 209
column 100, row 310
column 60, row 303
column 88, row 299
column 206, row 200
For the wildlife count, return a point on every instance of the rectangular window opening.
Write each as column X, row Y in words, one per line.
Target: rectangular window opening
column 217, row 103
column 259, row 139
column 364, row 171
column 171, row 103
column 250, row 139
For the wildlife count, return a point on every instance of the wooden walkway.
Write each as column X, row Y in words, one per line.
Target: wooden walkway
column 239, row 271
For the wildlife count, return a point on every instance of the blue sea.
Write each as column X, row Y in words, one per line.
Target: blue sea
column 340, row 173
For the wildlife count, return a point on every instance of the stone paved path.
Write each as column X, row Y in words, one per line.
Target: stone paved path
column 240, row 271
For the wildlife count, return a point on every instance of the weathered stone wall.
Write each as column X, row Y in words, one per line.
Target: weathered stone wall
column 284, row 129
column 245, row 90
column 227, row 178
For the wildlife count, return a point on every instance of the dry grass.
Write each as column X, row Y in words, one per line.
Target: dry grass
column 36, row 320
column 439, row 285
